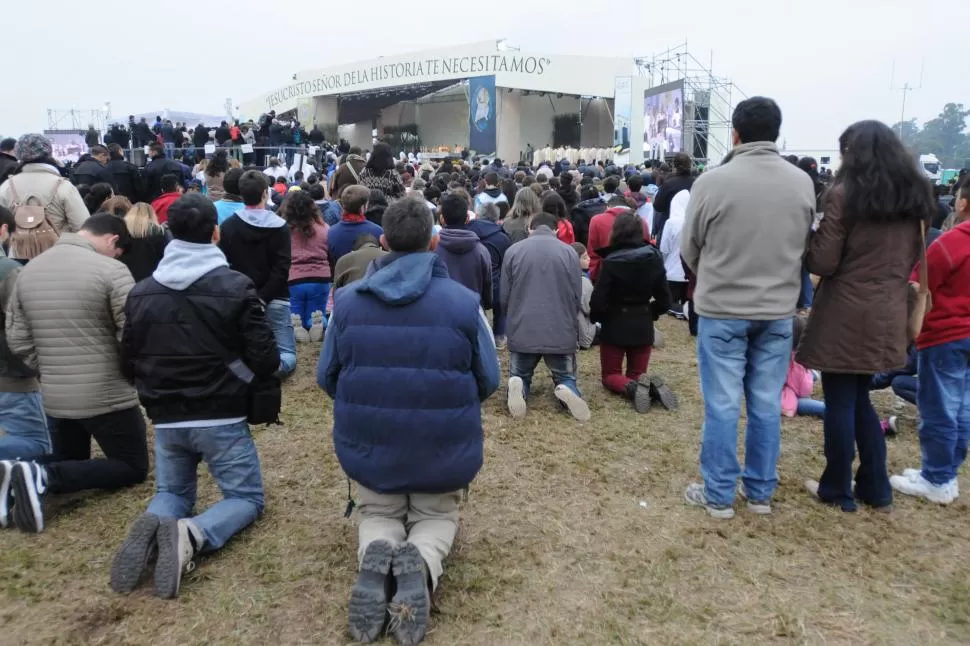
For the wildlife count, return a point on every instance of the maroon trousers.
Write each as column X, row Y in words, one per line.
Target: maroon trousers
column 611, row 365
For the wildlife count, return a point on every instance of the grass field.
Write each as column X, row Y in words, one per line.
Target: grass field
column 572, row 534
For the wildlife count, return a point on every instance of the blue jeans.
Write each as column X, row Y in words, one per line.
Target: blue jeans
column 169, row 149
column 562, row 367
column 736, row 357
column 809, row 407
column 806, row 294
column 278, row 315
column 23, row 420
column 944, row 408
column 850, row 421
column 307, row 298
column 230, row 454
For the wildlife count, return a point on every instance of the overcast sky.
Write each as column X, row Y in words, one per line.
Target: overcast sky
column 828, row 63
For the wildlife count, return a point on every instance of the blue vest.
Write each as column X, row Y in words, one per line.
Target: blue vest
column 407, row 416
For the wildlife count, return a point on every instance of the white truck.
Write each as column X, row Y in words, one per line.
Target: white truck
column 931, row 167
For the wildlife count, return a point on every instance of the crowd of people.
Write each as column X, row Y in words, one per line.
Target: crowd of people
column 132, row 293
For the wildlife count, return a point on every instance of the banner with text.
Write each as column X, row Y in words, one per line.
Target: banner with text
column 481, row 114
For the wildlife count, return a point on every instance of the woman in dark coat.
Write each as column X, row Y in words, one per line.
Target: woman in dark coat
column 630, row 294
column 148, row 240
column 864, row 251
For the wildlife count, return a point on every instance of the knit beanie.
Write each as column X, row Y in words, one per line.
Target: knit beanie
column 31, row 147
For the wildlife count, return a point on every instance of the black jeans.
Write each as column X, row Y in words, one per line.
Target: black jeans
column 850, row 421
column 121, row 436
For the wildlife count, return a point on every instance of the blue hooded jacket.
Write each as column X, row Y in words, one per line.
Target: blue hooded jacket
column 408, row 358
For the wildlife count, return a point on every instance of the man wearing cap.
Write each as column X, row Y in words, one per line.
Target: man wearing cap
column 8, row 160
column 39, row 182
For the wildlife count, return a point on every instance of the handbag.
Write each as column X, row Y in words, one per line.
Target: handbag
column 924, row 300
column 264, row 396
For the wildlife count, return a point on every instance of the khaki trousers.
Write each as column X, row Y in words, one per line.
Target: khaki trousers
column 427, row 521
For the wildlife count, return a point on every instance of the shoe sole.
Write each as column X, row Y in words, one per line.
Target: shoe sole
column 578, row 408
column 720, row 514
column 168, row 571
column 410, row 608
column 131, row 558
column 902, row 486
column 516, row 401
column 367, row 612
column 759, row 508
column 6, row 473
column 663, row 393
column 27, row 517
column 641, row 399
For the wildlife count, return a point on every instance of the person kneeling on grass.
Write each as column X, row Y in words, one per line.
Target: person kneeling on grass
column 408, row 358
column 629, row 296
column 182, row 327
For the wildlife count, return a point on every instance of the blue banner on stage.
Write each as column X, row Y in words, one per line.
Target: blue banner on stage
column 481, row 115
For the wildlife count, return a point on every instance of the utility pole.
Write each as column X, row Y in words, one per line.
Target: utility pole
column 905, row 89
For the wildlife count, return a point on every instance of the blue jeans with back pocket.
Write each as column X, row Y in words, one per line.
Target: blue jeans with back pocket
column 734, row 358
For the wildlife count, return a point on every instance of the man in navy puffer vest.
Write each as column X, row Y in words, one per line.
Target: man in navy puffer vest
column 408, row 359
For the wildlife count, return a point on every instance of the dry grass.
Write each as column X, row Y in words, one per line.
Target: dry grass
column 555, row 546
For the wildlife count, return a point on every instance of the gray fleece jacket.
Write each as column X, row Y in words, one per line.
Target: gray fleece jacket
column 745, row 235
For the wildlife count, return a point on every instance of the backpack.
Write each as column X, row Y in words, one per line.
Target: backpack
column 35, row 233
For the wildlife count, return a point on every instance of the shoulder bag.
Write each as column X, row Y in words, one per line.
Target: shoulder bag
column 924, row 300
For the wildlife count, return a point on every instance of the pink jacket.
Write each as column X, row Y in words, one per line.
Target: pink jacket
column 310, row 255
column 798, row 383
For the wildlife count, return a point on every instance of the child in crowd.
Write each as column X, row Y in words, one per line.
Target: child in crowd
column 630, row 294
column 944, row 364
column 462, row 252
column 309, row 277
column 796, row 395
column 588, row 331
column 408, row 359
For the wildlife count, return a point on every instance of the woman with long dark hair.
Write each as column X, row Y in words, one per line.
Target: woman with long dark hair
column 379, row 172
column 864, row 251
column 309, row 278
column 552, row 203
column 98, row 195
column 215, row 174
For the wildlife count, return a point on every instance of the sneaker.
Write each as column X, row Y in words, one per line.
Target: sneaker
column 954, row 484
column 677, row 311
column 578, row 408
column 501, row 343
column 131, row 559
column 892, row 425
column 760, row 507
column 179, row 541
column 913, row 483
column 639, row 395
column 410, row 609
column 367, row 612
column 695, row 496
column 516, row 401
column 29, row 485
column 316, row 327
column 6, row 493
column 660, row 391
column 299, row 332
column 811, row 486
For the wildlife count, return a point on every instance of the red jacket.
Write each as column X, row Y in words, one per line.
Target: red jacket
column 948, row 270
column 161, row 204
column 564, row 232
column 600, row 228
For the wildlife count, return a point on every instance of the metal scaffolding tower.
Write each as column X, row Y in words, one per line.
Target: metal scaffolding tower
column 708, row 100
column 78, row 119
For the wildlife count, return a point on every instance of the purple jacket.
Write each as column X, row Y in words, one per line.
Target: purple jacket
column 468, row 261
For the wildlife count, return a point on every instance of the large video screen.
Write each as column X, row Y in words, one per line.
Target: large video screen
column 663, row 120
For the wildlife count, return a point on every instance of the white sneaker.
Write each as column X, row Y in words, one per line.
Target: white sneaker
column 914, row 484
column 6, row 498
column 953, row 484
column 299, row 332
column 516, row 398
column 316, row 327
column 578, row 408
column 760, row 507
column 811, row 486
column 179, row 540
column 694, row 495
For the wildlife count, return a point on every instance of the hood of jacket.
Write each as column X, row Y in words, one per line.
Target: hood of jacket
column 753, row 148
column 183, row 263
column 629, row 259
column 484, row 229
column 678, row 206
column 638, row 198
column 460, row 241
column 261, row 218
column 493, row 192
column 401, row 279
